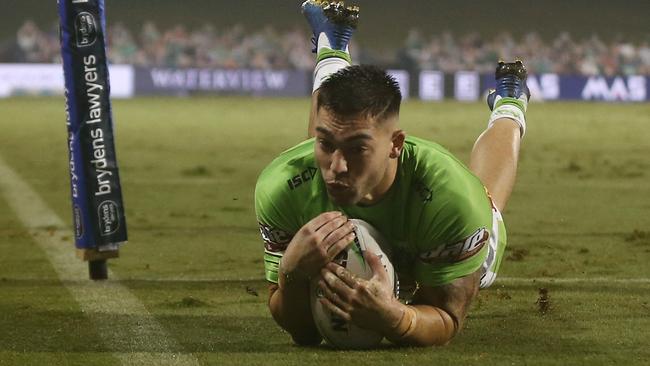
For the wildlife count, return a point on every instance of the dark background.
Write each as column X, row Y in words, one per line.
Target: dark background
column 383, row 22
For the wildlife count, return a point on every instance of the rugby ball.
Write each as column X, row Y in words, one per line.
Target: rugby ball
column 336, row 331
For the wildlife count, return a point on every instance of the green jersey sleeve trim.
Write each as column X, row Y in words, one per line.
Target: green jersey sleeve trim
column 271, row 266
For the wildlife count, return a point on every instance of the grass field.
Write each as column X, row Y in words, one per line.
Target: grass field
column 578, row 225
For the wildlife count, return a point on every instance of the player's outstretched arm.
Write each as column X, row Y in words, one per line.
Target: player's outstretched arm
column 313, row 246
column 332, row 24
column 434, row 318
column 437, row 313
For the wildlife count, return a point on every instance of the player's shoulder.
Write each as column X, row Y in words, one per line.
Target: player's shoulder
column 428, row 154
column 285, row 183
column 437, row 169
column 453, row 200
column 290, row 169
column 283, row 189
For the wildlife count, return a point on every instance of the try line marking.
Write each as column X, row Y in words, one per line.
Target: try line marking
column 602, row 280
column 499, row 280
column 96, row 299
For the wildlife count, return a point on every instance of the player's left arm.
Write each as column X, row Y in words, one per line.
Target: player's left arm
column 449, row 269
column 434, row 318
column 437, row 313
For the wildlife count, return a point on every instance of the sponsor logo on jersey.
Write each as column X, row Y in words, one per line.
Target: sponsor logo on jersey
column 275, row 240
column 456, row 252
column 304, row 177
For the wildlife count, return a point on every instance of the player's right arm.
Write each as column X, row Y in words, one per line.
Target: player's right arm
column 311, row 248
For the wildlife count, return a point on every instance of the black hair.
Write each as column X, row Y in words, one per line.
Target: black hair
column 360, row 90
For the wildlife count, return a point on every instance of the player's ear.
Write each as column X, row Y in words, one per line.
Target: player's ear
column 398, row 143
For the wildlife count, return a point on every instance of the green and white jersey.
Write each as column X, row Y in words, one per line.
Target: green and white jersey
column 437, row 216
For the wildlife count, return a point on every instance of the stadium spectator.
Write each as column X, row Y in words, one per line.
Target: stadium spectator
column 269, row 48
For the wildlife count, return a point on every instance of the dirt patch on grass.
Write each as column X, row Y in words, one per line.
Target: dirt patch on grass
column 638, row 237
column 543, row 301
column 518, row 254
column 197, row 171
column 187, row 302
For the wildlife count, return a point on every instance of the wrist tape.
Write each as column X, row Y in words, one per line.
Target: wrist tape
column 512, row 112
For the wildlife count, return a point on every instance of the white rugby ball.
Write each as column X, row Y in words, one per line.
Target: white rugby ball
column 336, row 331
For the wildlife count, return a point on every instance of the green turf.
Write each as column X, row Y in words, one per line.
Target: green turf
column 580, row 210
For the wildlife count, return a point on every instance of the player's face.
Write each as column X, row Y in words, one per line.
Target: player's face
column 354, row 156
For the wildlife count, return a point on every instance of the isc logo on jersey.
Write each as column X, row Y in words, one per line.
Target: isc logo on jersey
column 298, row 179
column 456, row 252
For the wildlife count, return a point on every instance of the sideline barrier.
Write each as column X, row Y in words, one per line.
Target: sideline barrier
column 179, row 81
column 429, row 85
column 47, row 79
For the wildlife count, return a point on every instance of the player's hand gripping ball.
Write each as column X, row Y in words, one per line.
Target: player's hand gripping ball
column 334, row 329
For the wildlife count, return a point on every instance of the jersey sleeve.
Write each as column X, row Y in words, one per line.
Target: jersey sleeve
column 454, row 226
column 273, row 210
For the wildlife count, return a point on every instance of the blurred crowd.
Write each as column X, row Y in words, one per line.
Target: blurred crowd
column 175, row 47
column 561, row 55
column 268, row 48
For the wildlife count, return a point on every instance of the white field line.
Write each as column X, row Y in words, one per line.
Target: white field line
column 600, row 280
column 499, row 280
column 96, row 299
column 502, row 280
